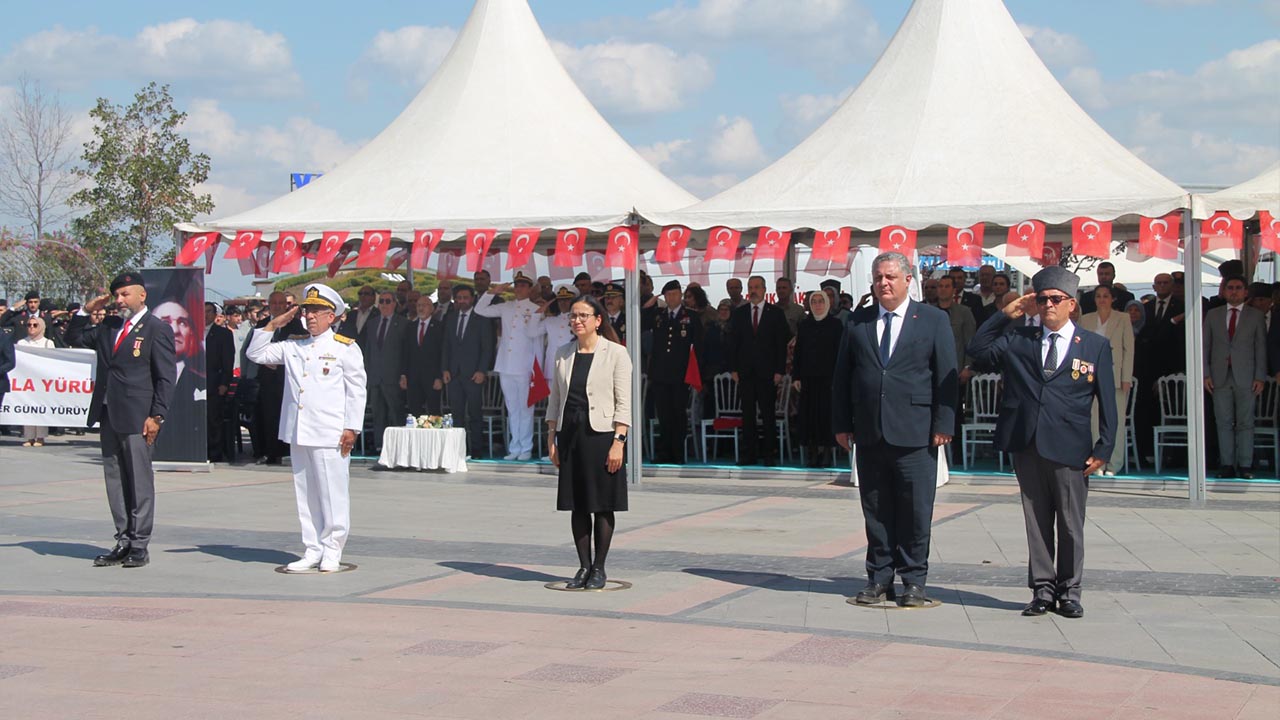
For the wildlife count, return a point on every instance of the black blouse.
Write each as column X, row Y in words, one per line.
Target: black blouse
column 576, row 397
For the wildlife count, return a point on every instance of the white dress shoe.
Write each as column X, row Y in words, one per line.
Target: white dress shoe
column 303, row 565
column 327, row 566
column 524, row 456
column 510, row 456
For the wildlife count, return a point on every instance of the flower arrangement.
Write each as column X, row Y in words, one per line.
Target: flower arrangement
column 433, row 422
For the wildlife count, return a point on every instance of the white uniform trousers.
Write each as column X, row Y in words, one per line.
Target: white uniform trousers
column 515, row 393
column 321, row 476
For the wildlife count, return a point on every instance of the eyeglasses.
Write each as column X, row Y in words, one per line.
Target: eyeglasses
column 581, row 317
column 1051, row 299
column 312, row 310
column 366, row 294
column 33, row 324
column 385, row 302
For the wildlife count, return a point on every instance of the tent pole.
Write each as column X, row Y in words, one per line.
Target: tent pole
column 1195, row 362
column 635, row 437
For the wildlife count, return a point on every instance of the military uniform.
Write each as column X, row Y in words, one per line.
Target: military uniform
column 514, row 365
column 324, row 396
column 674, row 334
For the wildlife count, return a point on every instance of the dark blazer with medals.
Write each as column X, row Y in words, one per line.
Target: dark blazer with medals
column 669, row 359
column 136, row 380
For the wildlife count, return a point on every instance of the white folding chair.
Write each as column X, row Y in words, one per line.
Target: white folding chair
column 493, row 410
column 728, row 406
column 1172, row 430
column 1266, row 435
column 984, row 398
column 1130, row 429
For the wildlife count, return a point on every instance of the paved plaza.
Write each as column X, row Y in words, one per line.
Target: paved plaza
column 737, row 607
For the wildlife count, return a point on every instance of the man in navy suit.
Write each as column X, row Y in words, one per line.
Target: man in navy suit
column 469, row 350
column 136, row 372
column 894, row 394
column 423, row 376
column 758, row 337
column 1051, row 377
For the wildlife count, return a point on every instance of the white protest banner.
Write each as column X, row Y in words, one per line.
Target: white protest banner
column 49, row 386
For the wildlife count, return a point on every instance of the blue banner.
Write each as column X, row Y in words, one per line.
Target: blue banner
column 297, row 180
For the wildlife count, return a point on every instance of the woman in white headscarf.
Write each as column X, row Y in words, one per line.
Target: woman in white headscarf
column 813, row 363
column 34, row 434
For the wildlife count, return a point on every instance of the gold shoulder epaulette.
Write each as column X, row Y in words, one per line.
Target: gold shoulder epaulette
column 343, row 339
column 303, row 336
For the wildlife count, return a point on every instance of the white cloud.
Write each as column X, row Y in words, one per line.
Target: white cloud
column 1241, row 88
column 1056, row 49
column 229, row 56
column 626, row 78
column 734, row 146
column 802, row 114
column 409, row 54
column 1196, row 157
column 663, row 154
column 1087, row 87
column 705, row 186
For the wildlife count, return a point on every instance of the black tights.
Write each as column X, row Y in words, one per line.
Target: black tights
column 581, row 524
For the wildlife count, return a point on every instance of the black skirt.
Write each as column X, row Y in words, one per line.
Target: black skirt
column 586, row 485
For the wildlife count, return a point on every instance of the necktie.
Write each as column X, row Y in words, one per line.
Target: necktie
column 129, row 323
column 1231, row 324
column 382, row 332
column 422, row 331
column 885, row 337
column 1051, row 358
column 755, row 318
column 1159, row 311
column 462, row 325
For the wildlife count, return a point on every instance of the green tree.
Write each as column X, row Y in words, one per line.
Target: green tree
column 142, row 177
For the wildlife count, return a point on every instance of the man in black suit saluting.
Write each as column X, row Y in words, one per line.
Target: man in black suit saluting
column 758, row 358
column 1051, row 374
column 136, row 369
column 894, row 394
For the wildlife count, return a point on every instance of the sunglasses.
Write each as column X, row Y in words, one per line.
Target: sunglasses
column 33, row 324
column 1051, row 299
column 366, row 294
column 386, row 302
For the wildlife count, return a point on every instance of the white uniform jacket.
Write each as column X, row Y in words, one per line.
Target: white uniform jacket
column 324, row 387
column 557, row 332
column 516, row 349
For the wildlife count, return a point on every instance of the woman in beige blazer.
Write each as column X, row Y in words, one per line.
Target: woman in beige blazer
column 588, row 414
column 1116, row 327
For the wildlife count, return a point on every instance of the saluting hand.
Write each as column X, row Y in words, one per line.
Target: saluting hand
column 97, row 303
column 283, row 319
column 1017, row 307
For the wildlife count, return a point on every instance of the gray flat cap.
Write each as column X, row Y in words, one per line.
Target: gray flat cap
column 1055, row 278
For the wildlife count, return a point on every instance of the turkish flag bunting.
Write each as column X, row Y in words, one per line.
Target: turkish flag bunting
column 622, row 252
column 672, row 242
column 447, row 267
column 569, row 246
column 722, row 243
column 817, row 265
column 342, row 258
column 841, row 269
column 772, row 244
column 693, row 375
column 964, row 245
column 478, row 242
column 243, row 246
column 211, row 254
column 1158, row 237
column 832, row 245
column 597, row 268
column 256, row 263
column 288, row 255
column 896, row 238
column 539, row 390
column 1091, row 237
column 330, row 244
column 397, row 258
column 424, row 243
column 194, row 247
column 1026, row 239
column 1269, row 231
column 1221, row 232
column 700, row 270
column 373, row 251
column 743, row 260
column 520, row 249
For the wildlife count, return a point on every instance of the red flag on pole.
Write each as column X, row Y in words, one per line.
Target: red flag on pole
column 722, row 243
column 478, row 242
column 245, row 243
column 1026, row 239
column 692, row 375
column 622, row 250
column 288, row 253
column 424, row 243
column 1158, row 237
column 569, row 247
column 832, row 245
column 1222, row 232
column 539, row 390
column 964, row 245
column 896, row 238
column 1269, row 231
column 330, row 244
column 520, row 249
column 772, row 244
column 1091, row 237
column 672, row 243
column 373, row 251
column 194, row 247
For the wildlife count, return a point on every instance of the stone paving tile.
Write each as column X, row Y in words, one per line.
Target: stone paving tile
column 575, row 674
column 90, row 612
column 817, row 650
column 8, row 671
column 711, row 705
column 452, row 648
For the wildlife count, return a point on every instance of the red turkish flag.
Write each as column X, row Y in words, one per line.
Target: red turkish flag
column 1222, row 232
column 1158, row 237
column 330, row 244
column 597, row 268
column 569, row 247
column 742, row 262
column 539, row 390
column 397, row 258
column 210, row 254
column 672, row 243
column 699, row 270
column 256, row 263
column 194, row 247
column 1090, row 237
column 520, row 249
column 1050, row 254
column 722, row 243
column 243, row 246
column 841, row 269
column 1269, row 231
column 692, row 374
column 964, row 245
column 817, row 264
column 343, row 257
column 832, row 245
column 447, row 266
column 478, row 243
column 622, row 251
column 772, row 244
column 896, row 238
column 424, row 243
column 373, row 251
column 1026, row 239
column 288, row 255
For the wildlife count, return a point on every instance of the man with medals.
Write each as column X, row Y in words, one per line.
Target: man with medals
column 675, row 333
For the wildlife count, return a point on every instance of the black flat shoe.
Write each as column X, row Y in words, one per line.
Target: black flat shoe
column 1037, row 607
column 913, row 596
column 137, row 559
column 579, row 580
column 115, row 557
column 1227, row 472
column 1070, row 609
column 596, row 580
column 874, row 594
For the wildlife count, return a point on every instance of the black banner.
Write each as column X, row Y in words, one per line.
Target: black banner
column 176, row 296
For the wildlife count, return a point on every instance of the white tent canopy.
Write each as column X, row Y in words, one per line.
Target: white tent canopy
column 1243, row 201
column 501, row 137
column 959, row 122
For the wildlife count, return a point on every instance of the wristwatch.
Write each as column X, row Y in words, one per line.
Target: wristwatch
column 620, row 438
column 158, row 418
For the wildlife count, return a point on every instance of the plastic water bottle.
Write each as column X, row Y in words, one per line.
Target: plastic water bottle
column 410, row 421
column 448, row 421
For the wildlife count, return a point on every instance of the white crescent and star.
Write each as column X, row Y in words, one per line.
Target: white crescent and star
column 896, row 233
column 1084, row 228
column 722, row 236
column 1030, row 230
column 1221, row 230
column 773, row 237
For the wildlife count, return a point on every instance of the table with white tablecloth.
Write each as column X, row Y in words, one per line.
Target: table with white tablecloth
column 425, row 449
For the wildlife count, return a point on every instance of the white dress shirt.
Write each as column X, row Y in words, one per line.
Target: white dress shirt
column 1063, row 341
column 894, row 330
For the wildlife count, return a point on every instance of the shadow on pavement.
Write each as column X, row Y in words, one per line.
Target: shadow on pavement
column 845, row 587
column 505, row 572
column 242, row 554
column 80, row 551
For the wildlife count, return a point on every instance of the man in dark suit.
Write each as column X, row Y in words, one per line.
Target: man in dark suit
column 423, row 377
column 1163, row 331
column 675, row 332
column 271, row 384
column 1106, row 277
column 359, row 316
column 1052, row 376
column 384, row 357
column 468, row 355
column 1235, row 371
column 219, row 366
column 135, row 376
column 894, row 394
column 758, row 358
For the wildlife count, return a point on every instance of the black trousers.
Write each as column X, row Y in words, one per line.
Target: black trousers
column 215, row 417
column 423, row 399
column 464, row 404
column 671, row 402
column 897, row 486
column 270, row 399
column 759, row 397
column 246, row 405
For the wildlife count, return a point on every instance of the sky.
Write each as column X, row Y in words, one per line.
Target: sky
column 710, row 91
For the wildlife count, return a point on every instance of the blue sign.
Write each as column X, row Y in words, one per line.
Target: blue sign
column 297, row 180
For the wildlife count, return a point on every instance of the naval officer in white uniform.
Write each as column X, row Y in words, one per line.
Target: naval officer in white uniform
column 321, row 416
column 514, row 365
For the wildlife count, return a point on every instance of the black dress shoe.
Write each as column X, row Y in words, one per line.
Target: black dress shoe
column 579, row 580
column 137, row 559
column 913, row 596
column 1226, row 472
column 1070, row 609
column 1246, row 475
column 115, row 557
column 1037, row 607
column 596, row 580
column 874, row 594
